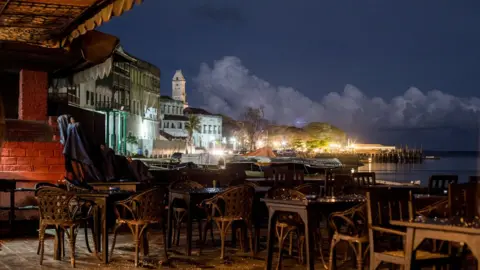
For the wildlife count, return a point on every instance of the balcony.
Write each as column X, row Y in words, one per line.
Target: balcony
column 110, row 106
column 64, row 97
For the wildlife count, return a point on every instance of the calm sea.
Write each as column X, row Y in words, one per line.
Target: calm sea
column 463, row 164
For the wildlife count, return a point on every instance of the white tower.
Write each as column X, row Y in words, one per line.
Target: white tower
column 178, row 87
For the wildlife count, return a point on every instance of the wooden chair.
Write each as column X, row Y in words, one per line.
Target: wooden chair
column 464, row 201
column 438, row 183
column 474, row 179
column 59, row 208
column 350, row 226
column 384, row 205
column 338, row 184
column 364, row 178
column 142, row 210
column 233, row 204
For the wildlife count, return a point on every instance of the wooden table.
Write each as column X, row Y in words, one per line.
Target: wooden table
column 9, row 186
column 419, row 231
column 308, row 211
column 191, row 199
column 126, row 186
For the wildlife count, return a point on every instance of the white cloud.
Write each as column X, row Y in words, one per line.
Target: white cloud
column 228, row 87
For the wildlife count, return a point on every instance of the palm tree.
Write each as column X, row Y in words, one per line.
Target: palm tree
column 193, row 124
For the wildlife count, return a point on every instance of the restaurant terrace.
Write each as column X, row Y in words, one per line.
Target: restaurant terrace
column 65, row 204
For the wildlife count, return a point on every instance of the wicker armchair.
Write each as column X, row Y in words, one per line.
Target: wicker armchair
column 61, row 209
column 138, row 212
column 234, row 204
column 350, row 226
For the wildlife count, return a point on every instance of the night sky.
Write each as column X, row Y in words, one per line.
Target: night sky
column 397, row 72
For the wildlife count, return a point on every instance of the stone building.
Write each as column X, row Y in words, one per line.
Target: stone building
column 126, row 91
column 210, row 135
column 171, row 108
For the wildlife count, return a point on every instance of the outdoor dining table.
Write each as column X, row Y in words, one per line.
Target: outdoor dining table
column 101, row 200
column 308, row 211
column 192, row 198
column 440, row 229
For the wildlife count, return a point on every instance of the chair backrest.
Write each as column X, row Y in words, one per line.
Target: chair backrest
column 337, row 184
column 268, row 173
column 386, row 204
column 474, row 179
column 55, row 204
column 364, row 178
column 310, row 189
column 464, row 200
column 149, row 205
column 44, row 184
column 238, row 201
column 439, row 182
column 282, row 193
column 185, row 185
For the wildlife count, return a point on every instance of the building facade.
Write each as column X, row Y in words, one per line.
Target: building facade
column 210, row 135
column 144, row 118
column 126, row 90
column 173, row 120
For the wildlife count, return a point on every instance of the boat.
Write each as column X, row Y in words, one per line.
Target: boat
column 431, row 157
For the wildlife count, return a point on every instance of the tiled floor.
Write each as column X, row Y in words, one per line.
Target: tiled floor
column 20, row 253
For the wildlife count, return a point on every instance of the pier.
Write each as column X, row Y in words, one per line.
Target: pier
column 403, row 155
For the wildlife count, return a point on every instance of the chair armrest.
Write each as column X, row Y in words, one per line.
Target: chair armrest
column 390, row 231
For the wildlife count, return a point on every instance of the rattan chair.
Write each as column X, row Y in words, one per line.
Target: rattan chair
column 61, row 209
column 350, row 226
column 233, row 204
column 138, row 212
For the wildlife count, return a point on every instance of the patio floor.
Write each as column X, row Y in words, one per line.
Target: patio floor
column 21, row 253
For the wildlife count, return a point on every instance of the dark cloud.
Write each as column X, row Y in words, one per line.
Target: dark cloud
column 217, row 12
column 228, row 87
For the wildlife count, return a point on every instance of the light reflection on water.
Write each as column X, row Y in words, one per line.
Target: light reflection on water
column 463, row 166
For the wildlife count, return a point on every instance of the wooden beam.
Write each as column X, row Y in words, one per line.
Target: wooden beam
column 4, row 7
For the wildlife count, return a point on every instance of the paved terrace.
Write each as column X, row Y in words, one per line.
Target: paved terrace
column 21, row 253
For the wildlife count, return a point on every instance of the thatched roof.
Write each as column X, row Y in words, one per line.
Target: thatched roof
column 55, row 23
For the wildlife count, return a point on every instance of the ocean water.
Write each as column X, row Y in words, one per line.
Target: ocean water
column 463, row 164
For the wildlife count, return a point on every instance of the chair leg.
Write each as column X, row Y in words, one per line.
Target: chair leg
column 250, row 238
column 86, row 237
column 223, row 227
column 136, row 241
column 282, row 234
column 71, row 240
column 164, row 238
column 359, row 253
column 41, row 242
column 332, row 251
column 115, row 232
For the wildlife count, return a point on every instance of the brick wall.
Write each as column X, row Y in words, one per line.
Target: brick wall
column 36, row 161
column 32, row 98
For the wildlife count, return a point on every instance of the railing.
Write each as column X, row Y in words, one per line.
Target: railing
column 64, row 97
column 121, row 71
column 108, row 106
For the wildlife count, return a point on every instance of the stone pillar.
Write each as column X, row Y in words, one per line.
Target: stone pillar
column 32, row 98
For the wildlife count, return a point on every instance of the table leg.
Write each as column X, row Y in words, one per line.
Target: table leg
column 169, row 222
column 97, row 227
column 104, row 233
column 11, row 217
column 189, row 227
column 309, row 239
column 270, row 239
